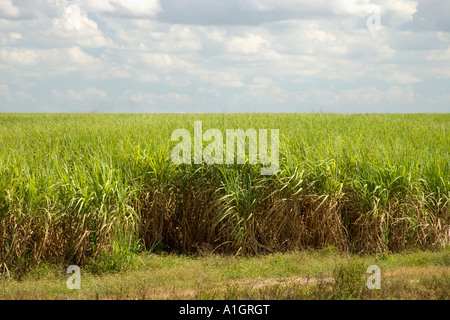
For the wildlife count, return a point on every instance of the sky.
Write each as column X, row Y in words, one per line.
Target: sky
column 307, row 56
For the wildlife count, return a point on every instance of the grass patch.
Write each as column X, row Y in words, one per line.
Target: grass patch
column 309, row 274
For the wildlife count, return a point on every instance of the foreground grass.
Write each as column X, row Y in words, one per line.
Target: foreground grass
column 318, row 274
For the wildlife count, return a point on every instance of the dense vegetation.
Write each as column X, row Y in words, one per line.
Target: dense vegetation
column 74, row 187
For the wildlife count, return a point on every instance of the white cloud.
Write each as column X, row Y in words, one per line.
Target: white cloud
column 439, row 63
column 94, row 93
column 8, row 95
column 86, row 95
column 97, row 5
column 439, row 55
column 400, row 11
column 400, row 78
column 45, row 63
column 174, row 97
column 4, row 92
column 263, row 90
column 160, row 100
column 19, row 56
column 162, row 62
column 140, row 97
column 397, row 94
column 123, row 7
column 75, row 28
column 148, row 77
column 221, row 78
column 90, row 99
column 69, row 58
column 56, row 23
column 250, row 44
column 227, row 53
column 7, row 9
column 256, row 12
column 15, row 36
column 147, row 35
column 361, row 96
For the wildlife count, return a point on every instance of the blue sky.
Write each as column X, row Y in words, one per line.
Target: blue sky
column 353, row 56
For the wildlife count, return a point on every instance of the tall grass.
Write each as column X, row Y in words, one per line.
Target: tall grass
column 74, row 187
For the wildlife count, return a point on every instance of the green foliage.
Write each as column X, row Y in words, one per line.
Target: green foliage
column 72, row 184
column 349, row 281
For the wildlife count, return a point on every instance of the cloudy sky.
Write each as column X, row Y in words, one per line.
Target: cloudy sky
column 224, row 56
